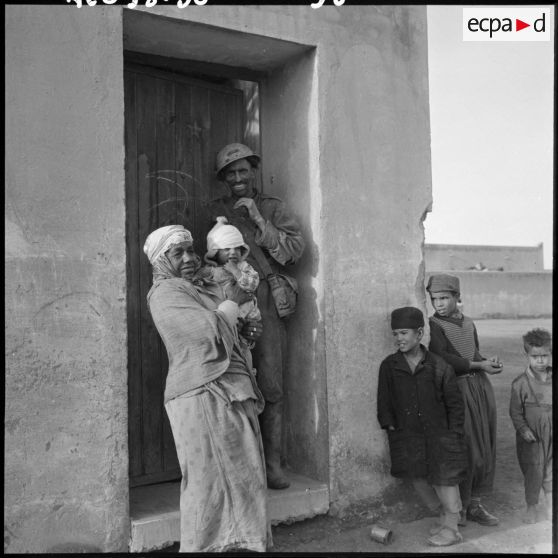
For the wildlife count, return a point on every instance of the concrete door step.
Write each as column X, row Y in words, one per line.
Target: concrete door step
column 155, row 509
column 305, row 498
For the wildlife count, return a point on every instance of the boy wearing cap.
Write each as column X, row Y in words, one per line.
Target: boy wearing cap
column 421, row 408
column 453, row 336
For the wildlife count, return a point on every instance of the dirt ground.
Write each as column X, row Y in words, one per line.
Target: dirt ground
column 401, row 511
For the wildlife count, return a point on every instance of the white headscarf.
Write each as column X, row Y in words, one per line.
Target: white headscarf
column 160, row 240
column 223, row 236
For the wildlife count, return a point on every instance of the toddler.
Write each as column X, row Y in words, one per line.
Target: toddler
column 531, row 414
column 226, row 265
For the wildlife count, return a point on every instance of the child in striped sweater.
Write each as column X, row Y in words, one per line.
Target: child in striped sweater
column 453, row 336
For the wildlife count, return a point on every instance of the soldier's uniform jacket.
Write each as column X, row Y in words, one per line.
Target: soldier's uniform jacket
column 281, row 241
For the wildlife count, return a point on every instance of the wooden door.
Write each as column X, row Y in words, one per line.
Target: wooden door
column 174, row 126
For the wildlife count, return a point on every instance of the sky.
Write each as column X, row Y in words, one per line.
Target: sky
column 491, row 117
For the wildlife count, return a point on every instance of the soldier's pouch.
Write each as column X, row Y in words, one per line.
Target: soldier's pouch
column 284, row 290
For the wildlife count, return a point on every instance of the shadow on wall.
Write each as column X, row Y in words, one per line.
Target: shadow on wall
column 306, row 424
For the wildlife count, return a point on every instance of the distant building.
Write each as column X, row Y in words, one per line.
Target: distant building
column 513, row 282
column 460, row 257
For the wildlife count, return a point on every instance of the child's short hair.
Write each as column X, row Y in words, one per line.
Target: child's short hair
column 537, row 337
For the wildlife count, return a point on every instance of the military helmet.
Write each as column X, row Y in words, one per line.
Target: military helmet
column 233, row 152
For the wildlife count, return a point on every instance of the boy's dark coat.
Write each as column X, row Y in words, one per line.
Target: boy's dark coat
column 426, row 408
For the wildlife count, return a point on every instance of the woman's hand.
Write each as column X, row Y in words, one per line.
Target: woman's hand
column 528, row 436
column 236, row 294
column 252, row 330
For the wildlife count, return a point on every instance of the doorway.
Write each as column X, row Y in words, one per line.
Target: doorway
column 174, row 126
column 285, row 104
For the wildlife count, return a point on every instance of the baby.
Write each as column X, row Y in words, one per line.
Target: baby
column 226, row 265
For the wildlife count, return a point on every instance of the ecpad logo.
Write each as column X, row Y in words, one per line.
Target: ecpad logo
column 506, row 24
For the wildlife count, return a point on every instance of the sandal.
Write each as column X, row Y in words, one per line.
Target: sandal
column 438, row 526
column 445, row 537
column 436, row 529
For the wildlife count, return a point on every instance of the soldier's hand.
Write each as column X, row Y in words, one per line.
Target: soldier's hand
column 253, row 211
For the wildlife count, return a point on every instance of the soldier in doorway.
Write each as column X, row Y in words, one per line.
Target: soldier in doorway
column 273, row 234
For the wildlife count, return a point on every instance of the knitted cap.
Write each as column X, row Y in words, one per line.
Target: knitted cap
column 443, row 283
column 223, row 236
column 407, row 317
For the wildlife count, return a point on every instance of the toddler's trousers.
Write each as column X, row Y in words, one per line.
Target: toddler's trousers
column 536, row 476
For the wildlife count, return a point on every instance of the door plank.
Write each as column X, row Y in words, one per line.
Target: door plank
column 201, row 164
column 147, row 184
column 183, row 176
column 167, row 193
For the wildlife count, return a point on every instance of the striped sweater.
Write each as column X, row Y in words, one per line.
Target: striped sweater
column 455, row 340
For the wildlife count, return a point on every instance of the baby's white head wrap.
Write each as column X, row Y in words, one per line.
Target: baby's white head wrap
column 223, row 236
